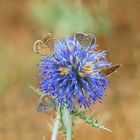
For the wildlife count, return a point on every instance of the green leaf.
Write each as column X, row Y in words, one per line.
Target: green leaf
column 89, row 119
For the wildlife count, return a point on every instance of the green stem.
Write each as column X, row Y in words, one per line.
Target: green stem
column 56, row 125
column 69, row 127
column 67, row 121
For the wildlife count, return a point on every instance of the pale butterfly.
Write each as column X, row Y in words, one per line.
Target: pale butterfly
column 44, row 46
column 86, row 40
column 45, row 103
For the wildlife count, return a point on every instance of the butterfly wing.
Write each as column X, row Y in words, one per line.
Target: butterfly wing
column 86, row 40
column 110, row 70
column 46, row 103
column 45, row 46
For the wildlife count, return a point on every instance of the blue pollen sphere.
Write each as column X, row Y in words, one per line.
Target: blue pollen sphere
column 73, row 74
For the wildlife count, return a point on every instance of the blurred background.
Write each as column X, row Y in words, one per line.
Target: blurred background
column 116, row 25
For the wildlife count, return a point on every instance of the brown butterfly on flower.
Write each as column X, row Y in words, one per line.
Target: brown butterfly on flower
column 87, row 40
column 109, row 70
column 44, row 46
column 45, row 103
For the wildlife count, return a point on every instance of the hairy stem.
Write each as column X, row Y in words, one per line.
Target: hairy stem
column 56, row 125
column 67, row 120
column 69, row 127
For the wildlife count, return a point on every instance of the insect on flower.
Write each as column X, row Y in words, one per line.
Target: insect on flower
column 45, row 103
column 86, row 40
column 75, row 75
column 45, row 46
column 110, row 70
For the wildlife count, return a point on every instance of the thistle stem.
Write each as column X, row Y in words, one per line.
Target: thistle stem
column 56, row 125
column 69, row 127
column 67, row 120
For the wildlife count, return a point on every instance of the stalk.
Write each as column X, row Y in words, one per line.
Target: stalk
column 67, row 121
column 69, row 127
column 56, row 125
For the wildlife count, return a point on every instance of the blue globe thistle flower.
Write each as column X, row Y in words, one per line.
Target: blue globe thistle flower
column 73, row 74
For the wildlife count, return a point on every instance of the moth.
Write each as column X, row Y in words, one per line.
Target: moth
column 44, row 46
column 109, row 70
column 45, row 103
column 86, row 40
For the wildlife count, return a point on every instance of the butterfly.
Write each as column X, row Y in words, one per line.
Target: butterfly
column 45, row 46
column 86, row 40
column 109, row 70
column 45, row 103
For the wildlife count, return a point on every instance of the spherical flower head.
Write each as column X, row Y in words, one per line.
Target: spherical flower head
column 73, row 74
